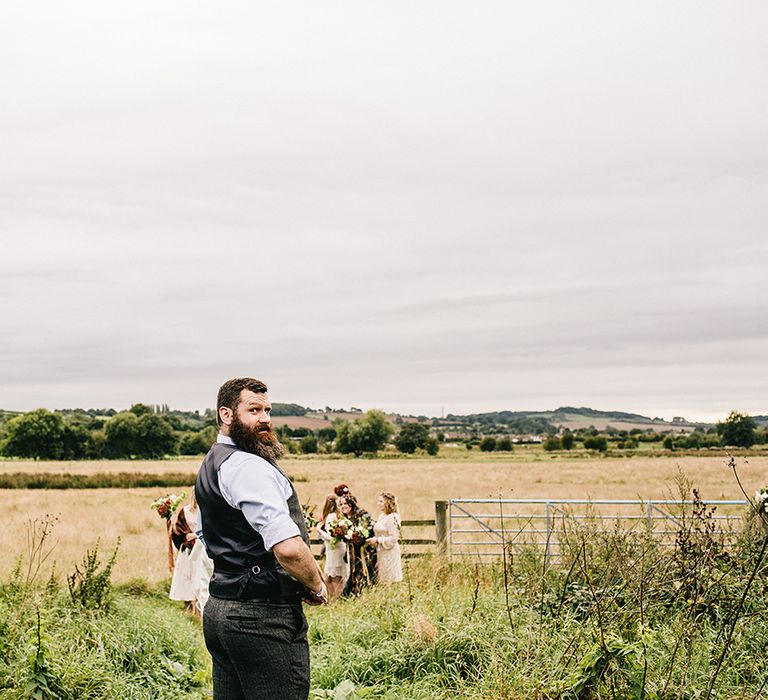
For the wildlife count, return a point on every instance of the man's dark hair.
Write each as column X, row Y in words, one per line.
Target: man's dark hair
column 229, row 394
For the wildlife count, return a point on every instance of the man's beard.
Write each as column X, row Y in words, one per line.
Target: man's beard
column 263, row 442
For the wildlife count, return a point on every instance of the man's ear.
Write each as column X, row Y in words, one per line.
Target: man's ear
column 225, row 415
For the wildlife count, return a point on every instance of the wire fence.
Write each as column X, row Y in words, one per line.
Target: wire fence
column 480, row 528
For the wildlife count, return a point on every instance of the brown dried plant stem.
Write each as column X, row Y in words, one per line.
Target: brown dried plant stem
column 504, row 566
column 38, row 533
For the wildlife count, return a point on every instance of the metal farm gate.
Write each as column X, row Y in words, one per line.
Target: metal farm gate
column 479, row 527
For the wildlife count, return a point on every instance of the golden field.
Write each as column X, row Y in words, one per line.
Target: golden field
column 106, row 514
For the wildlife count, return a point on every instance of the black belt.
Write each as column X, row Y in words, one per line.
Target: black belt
column 278, row 596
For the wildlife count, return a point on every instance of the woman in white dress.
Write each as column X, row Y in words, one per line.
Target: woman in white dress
column 187, row 584
column 386, row 529
column 336, row 559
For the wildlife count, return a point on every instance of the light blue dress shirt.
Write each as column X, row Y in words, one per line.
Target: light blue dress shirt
column 252, row 485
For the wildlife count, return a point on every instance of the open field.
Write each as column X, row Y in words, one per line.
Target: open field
column 88, row 515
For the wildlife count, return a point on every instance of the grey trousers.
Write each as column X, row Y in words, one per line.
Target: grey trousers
column 259, row 650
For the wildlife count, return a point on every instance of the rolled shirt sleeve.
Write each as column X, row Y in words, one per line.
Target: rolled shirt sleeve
column 252, row 485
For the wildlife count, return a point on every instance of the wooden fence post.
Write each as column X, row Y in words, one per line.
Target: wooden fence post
column 441, row 526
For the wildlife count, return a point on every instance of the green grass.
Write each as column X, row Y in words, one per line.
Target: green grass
column 140, row 647
column 437, row 646
column 618, row 617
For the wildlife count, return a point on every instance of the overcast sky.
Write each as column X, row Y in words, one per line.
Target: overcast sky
column 417, row 206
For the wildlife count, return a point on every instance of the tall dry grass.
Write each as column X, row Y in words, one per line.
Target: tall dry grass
column 105, row 514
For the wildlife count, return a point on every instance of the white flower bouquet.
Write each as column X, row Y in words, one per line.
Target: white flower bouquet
column 166, row 506
column 339, row 530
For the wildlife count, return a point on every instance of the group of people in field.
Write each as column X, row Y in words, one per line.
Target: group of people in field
column 358, row 551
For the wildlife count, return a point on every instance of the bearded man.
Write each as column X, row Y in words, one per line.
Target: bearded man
column 254, row 530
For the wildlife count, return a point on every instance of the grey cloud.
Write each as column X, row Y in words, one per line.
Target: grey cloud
column 529, row 203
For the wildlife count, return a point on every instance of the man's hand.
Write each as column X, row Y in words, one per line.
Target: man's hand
column 316, row 597
column 296, row 558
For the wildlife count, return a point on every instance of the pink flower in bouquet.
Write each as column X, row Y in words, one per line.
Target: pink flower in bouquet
column 166, row 506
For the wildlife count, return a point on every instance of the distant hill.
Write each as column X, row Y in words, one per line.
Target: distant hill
column 288, row 409
column 564, row 412
column 568, row 417
column 517, row 421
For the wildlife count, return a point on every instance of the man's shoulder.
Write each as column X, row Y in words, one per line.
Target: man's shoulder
column 248, row 468
column 240, row 459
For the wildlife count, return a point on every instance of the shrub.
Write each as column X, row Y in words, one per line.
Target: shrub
column 596, row 442
column 367, row 434
column 90, row 587
column 192, row 443
column 411, row 437
column 551, row 443
column 488, row 444
column 737, row 430
column 308, row 444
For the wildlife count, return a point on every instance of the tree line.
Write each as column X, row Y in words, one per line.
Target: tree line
column 152, row 432
column 738, row 430
column 144, row 432
column 138, row 432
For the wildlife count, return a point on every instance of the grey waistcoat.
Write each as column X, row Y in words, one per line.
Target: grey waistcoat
column 243, row 568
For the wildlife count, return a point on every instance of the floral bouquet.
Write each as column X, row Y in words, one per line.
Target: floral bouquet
column 340, row 530
column 761, row 500
column 166, row 506
column 359, row 533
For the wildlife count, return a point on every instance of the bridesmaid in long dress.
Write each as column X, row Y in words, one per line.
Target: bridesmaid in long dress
column 361, row 555
column 336, row 556
column 387, row 532
column 182, row 532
